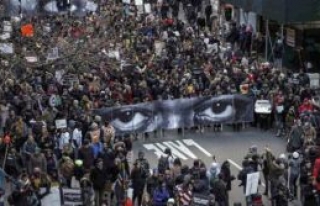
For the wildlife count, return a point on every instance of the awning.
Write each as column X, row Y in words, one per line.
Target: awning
column 282, row 11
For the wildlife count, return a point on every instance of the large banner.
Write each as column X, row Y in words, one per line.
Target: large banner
column 179, row 113
column 48, row 7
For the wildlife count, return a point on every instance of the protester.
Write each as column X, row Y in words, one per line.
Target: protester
column 117, row 57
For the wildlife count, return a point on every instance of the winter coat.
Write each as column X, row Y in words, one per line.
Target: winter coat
column 160, row 197
column 294, row 165
column 219, row 190
column 226, row 175
column 38, row 160
column 316, row 173
column 296, row 137
column 137, row 179
column 98, row 178
column 87, row 156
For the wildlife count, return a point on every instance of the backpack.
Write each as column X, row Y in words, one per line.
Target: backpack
column 163, row 164
column 212, row 180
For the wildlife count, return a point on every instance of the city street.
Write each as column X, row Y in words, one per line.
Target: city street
column 226, row 145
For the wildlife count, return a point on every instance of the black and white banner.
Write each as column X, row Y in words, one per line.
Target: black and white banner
column 46, row 7
column 179, row 113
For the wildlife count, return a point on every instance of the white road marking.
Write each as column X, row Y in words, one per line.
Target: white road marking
column 178, row 148
column 239, row 167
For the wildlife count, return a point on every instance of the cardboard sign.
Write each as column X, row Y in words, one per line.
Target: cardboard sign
column 61, row 123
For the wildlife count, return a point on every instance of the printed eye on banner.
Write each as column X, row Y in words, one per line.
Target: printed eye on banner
column 136, row 118
column 214, row 110
column 179, row 113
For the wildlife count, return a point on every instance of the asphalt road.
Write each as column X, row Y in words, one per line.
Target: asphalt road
column 226, row 145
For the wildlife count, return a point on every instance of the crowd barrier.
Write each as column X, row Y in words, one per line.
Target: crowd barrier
column 179, row 113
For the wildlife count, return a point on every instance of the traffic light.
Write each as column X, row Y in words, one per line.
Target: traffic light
column 228, row 13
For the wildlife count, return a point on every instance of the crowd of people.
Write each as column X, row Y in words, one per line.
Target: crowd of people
column 120, row 56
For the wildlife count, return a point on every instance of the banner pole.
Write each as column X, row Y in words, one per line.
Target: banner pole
column 5, row 156
column 266, row 40
column 183, row 131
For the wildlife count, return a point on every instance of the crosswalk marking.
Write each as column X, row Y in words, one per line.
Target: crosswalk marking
column 180, row 149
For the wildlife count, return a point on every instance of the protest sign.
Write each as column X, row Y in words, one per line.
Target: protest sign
column 53, row 54
column 71, row 197
column 252, row 183
column 147, row 8
column 200, row 200
column 6, row 48
column 263, row 107
column 138, row 2
column 91, row 6
column 61, row 123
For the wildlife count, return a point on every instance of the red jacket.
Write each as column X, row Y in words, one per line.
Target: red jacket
column 316, row 170
column 305, row 108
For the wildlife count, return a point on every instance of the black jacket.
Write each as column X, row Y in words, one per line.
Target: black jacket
column 138, row 181
column 98, row 178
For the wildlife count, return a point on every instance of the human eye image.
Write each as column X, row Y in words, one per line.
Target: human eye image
column 17, row 7
column 214, row 109
column 45, row 7
column 138, row 118
column 76, row 7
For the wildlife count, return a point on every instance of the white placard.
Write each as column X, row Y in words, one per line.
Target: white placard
column 31, row 59
column 53, row 54
column 71, row 197
column 7, row 27
column 5, row 36
column 263, row 107
column 6, row 48
column 140, row 9
column 126, row 1
column 252, row 183
column 130, row 193
column 158, row 45
column 91, row 6
column 61, row 123
column 147, row 8
column 138, row 2
column 53, row 198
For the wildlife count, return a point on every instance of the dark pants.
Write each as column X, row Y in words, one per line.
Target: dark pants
column 266, row 179
column 137, row 194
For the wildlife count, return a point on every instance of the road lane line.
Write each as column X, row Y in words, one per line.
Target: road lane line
column 235, row 164
column 239, row 167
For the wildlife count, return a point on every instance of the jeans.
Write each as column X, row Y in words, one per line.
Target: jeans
column 293, row 184
column 279, row 122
